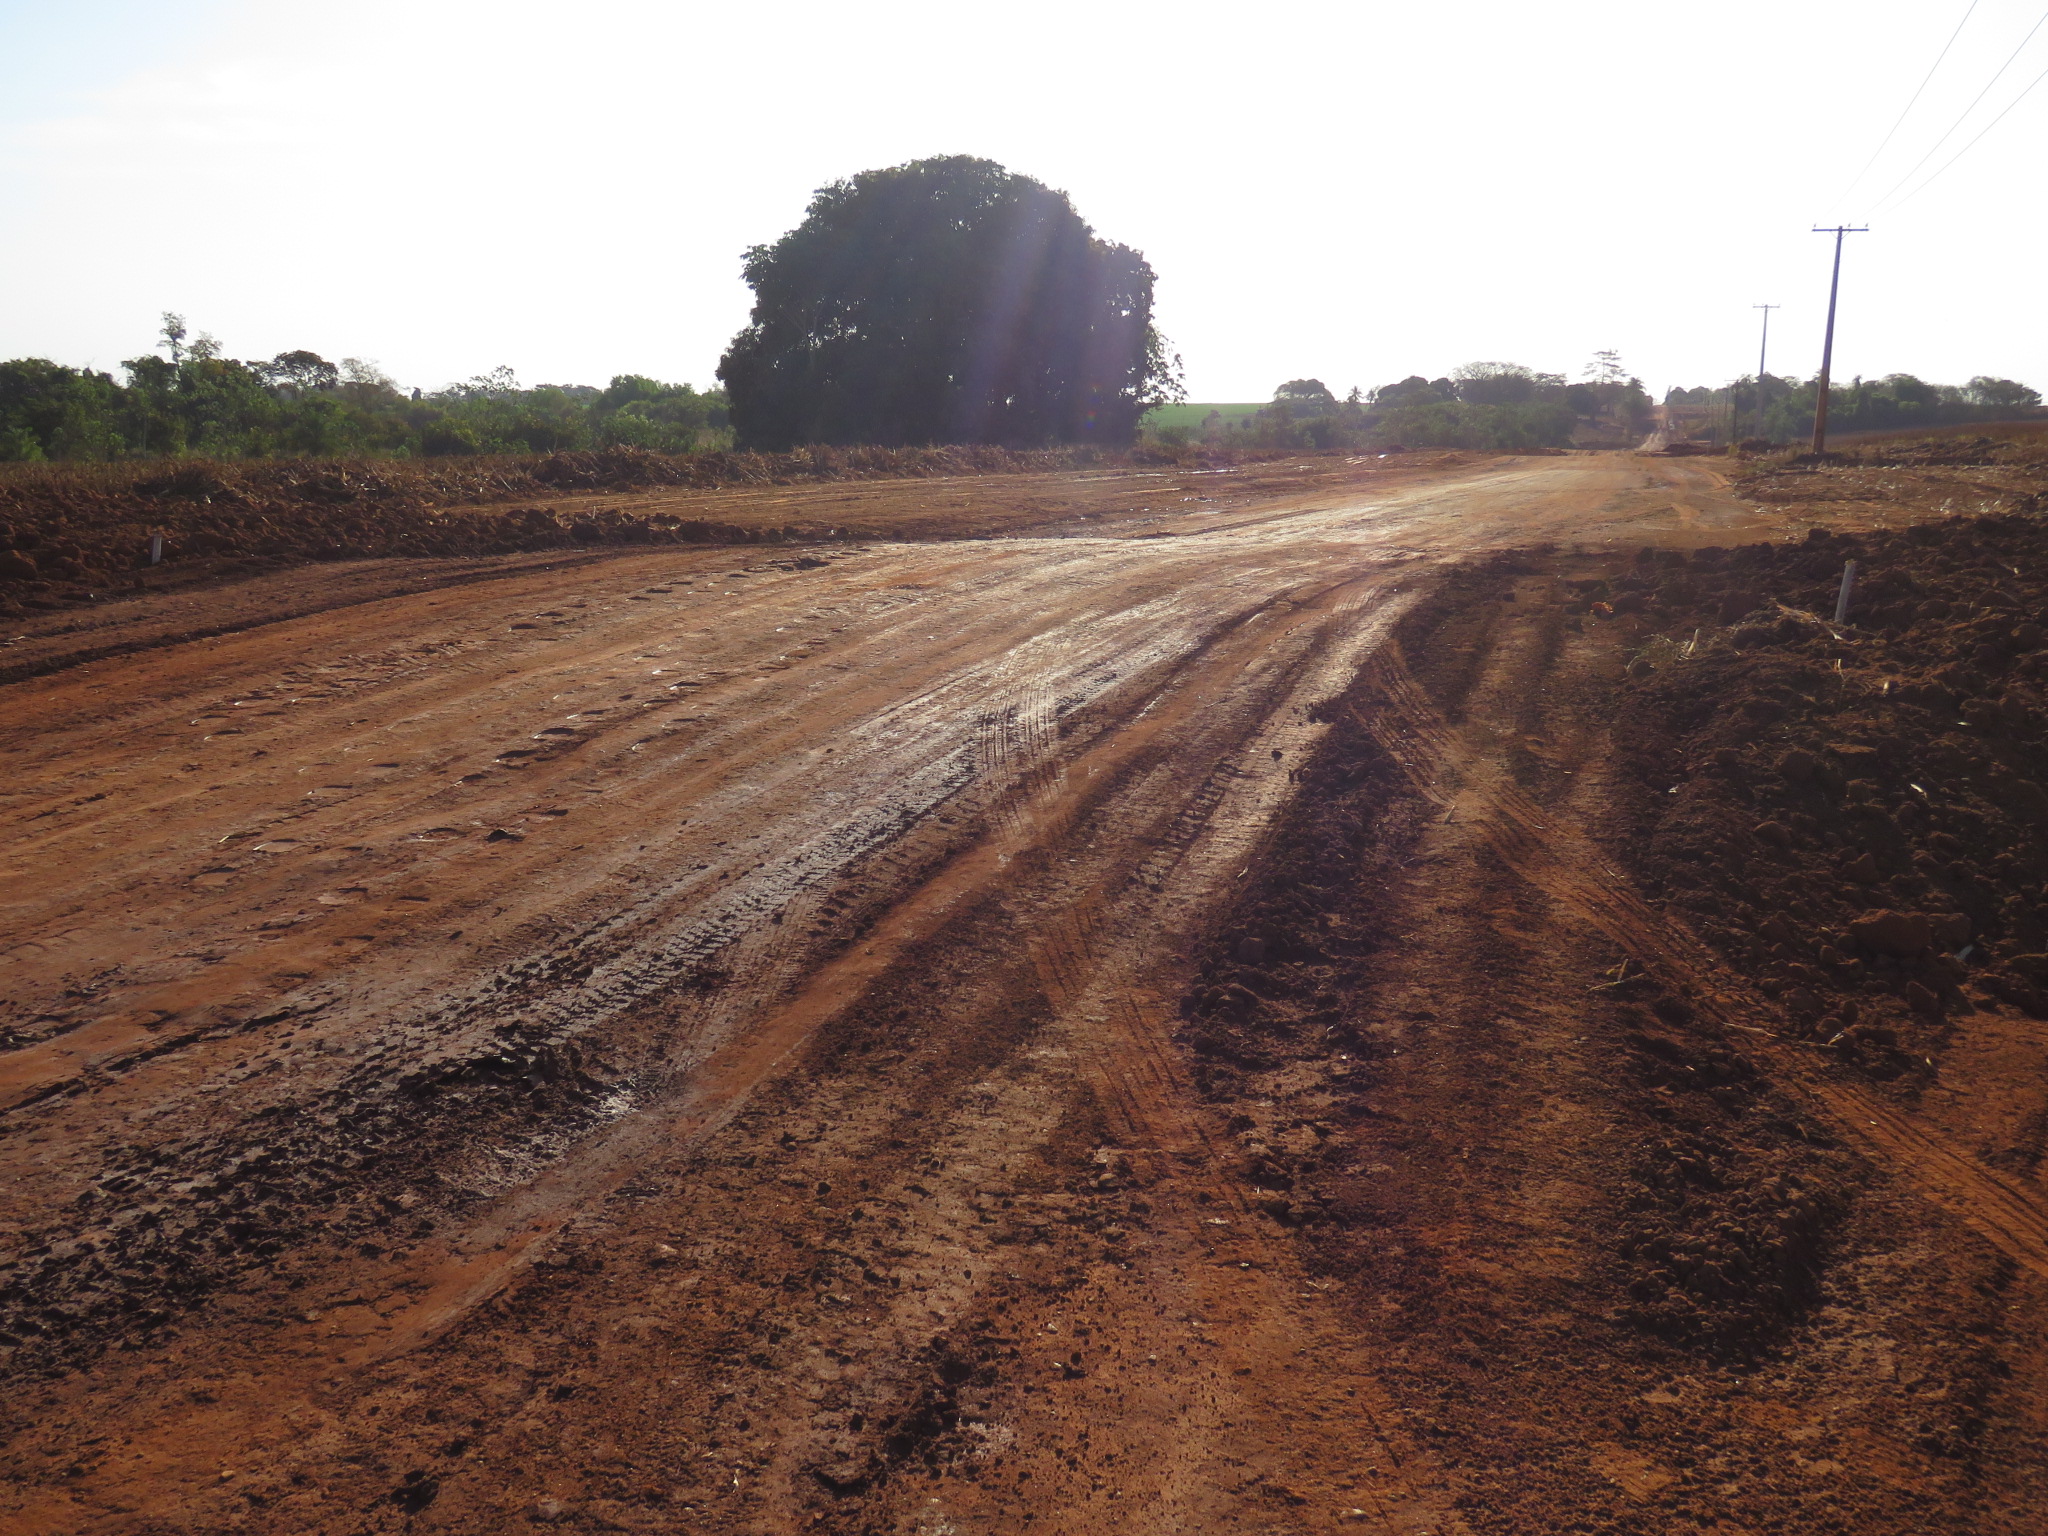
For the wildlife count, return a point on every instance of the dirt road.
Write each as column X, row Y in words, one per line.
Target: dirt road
column 688, row 1040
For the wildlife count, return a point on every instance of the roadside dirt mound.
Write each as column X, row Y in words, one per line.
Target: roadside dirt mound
column 66, row 530
column 1855, row 816
column 1718, row 1233
column 1963, row 471
column 2004, row 442
column 314, row 534
column 51, row 559
column 1615, row 1264
column 623, row 468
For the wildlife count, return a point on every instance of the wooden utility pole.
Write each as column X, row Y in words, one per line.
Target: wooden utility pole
column 1763, row 349
column 1827, row 350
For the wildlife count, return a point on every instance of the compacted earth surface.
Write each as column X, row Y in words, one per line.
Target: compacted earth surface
column 1443, row 997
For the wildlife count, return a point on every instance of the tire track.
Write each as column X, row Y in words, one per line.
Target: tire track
column 1440, row 766
column 1100, row 964
column 727, row 1057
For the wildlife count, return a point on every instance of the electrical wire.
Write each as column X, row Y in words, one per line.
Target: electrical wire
column 1952, row 127
column 1952, row 159
column 1900, row 122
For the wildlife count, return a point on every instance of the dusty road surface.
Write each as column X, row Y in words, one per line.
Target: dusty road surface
column 696, row 1041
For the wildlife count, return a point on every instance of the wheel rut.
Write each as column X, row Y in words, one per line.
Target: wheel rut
column 1532, row 843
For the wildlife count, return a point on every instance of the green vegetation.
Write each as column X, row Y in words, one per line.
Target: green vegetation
column 1502, row 407
column 1896, row 401
column 1188, row 417
column 196, row 402
column 945, row 301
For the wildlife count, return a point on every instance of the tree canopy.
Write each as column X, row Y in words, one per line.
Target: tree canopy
column 945, row 301
column 2001, row 394
column 1305, row 398
column 1504, row 383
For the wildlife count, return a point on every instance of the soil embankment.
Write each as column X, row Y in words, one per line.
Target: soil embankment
column 79, row 534
column 1635, row 1233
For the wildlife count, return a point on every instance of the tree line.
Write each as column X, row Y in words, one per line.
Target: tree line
column 1501, row 407
column 1896, row 401
column 192, row 400
column 943, row 301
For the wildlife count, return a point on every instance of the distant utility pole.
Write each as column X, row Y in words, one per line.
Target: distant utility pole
column 1761, row 351
column 1827, row 350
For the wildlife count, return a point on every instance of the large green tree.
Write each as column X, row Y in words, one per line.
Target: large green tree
column 945, row 301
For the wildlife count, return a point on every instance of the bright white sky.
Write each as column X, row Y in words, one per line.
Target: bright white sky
column 1352, row 191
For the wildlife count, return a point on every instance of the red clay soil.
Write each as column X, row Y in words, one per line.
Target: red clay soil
column 1191, row 1023
column 1628, row 1267
column 1856, row 813
column 75, row 533
column 1902, row 477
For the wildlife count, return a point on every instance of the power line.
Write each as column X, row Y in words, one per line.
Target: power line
column 1952, row 159
column 1952, row 127
column 1909, row 105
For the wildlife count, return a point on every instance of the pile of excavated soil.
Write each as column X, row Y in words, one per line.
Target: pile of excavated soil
column 1960, row 472
column 1855, row 815
column 1617, row 1254
column 1718, row 1234
column 66, row 530
column 61, row 562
